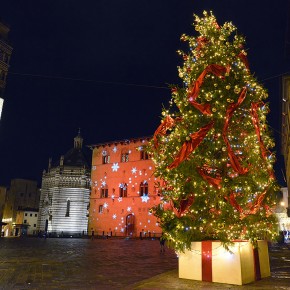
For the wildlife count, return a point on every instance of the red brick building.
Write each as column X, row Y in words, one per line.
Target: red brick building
column 123, row 190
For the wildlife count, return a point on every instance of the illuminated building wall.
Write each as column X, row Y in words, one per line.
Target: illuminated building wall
column 286, row 128
column 5, row 54
column 26, row 222
column 123, row 190
column 3, row 190
column 65, row 194
column 21, row 194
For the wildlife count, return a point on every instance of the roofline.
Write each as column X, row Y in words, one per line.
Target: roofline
column 123, row 141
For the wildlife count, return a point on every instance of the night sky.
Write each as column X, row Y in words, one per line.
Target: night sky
column 105, row 65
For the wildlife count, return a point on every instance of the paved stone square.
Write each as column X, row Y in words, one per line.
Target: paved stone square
column 38, row 263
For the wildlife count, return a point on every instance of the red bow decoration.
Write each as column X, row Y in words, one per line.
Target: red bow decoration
column 215, row 69
column 229, row 113
column 189, row 146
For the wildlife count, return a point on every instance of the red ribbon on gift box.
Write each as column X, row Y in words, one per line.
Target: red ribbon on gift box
column 206, row 262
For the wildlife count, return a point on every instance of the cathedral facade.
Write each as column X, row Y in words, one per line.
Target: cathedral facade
column 123, row 190
column 65, row 192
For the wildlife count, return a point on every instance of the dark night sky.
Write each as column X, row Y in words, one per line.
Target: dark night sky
column 105, row 66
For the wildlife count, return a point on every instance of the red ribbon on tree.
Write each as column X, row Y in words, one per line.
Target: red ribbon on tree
column 167, row 123
column 255, row 120
column 244, row 59
column 184, row 206
column 235, row 163
column 214, row 181
column 215, row 69
column 189, row 146
column 201, row 42
column 257, row 204
column 232, row 200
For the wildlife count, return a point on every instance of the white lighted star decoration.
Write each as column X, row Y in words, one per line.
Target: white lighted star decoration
column 129, row 208
column 114, row 216
column 134, row 170
column 105, row 205
column 120, row 199
column 115, row 167
column 145, row 198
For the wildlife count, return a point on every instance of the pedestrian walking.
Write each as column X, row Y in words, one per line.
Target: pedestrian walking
column 162, row 243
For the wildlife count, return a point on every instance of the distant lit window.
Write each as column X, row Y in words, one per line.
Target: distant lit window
column 123, row 190
column 143, row 188
column 67, row 208
column 100, row 208
column 125, row 157
column 106, row 159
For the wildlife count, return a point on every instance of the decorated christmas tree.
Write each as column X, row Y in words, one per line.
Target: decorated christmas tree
column 212, row 148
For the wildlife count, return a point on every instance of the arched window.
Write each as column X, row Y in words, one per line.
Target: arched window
column 67, row 207
column 123, row 190
column 144, row 188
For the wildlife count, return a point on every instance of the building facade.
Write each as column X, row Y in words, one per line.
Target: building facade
column 5, row 55
column 21, row 194
column 26, row 222
column 65, row 194
column 123, row 190
column 285, row 144
column 3, row 190
column 281, row 213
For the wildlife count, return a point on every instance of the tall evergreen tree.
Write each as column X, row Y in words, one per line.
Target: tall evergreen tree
column 212, row 148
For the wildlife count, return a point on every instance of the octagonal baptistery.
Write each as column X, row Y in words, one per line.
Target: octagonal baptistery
column 65, row 195
column 123, row 190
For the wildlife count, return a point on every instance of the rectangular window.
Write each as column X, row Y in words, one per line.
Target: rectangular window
column 106, row 159
column 143, row 155
column 35, row 215
column 25, row 221
column 34, row 225
column 123, row 190
column 125, row 157
column 100, row 208
column 26, row 214
column 31, row 214
column 104, row 192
